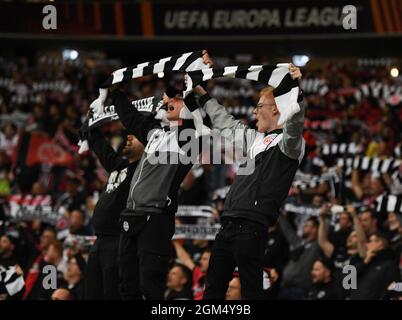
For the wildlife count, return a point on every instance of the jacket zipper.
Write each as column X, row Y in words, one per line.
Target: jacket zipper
column 139, row 175
column 259, row 180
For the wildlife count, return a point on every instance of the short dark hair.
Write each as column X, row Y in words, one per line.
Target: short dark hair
column 314, row 220
column 383, row 236
column 49, row 228
column 186, row 271
column 371, row 212
column 326, row 262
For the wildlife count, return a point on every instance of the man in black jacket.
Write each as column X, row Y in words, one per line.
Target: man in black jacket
column 377, row 270
column 102, row 270
column 254, row 199
column 324, row 287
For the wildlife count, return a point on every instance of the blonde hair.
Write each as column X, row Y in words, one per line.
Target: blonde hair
column 267, row 91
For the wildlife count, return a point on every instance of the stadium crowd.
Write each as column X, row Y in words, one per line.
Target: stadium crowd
column 340, row 231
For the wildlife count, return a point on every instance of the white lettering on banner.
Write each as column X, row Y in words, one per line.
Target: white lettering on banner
column 226, row 19
column 190, row 231
column 115, row 179
column 31, row 208
column 194, row 211
column 186, row 19
column 302, row 17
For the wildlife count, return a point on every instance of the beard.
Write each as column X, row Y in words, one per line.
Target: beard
column 128, row 152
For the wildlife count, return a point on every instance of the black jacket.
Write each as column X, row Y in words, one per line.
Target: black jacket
column 374, row 278
column 259, row 190
column 324, row 291
column 112, row 201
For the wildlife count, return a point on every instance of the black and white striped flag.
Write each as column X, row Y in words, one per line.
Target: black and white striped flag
column 340, row 149
column 314, row 85
column 184, row 62
column 378, row 90
column 377, row 165
column 389, row 203
column 11, row 282
column 286, row 89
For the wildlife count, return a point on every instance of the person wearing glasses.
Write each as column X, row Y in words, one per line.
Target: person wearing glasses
column 254, row 199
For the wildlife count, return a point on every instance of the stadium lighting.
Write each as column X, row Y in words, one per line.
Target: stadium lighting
column 70, row 54
column 300, row 60
column 394, row 72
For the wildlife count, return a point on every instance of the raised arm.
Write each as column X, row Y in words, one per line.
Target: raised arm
column 326, row 246
column 135, row 122
column 292, row 143
column 109, row 159
column 356, row 185
column 360, row 234
column 290, row 234
column 183, row 255
column 222, row 120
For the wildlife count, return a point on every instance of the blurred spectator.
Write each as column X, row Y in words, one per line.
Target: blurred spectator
column 368, row 220
column 8, row 245
column 324, row 288
column 8, row 139
column 377, row 271
column 179, row 283
column 72, row 199
column 199, row 271
column 74, row 276
column 54, row 256
column 276, row 256
column 304, row 251
column 34, row 275
column 234, row 289
column 77, row 223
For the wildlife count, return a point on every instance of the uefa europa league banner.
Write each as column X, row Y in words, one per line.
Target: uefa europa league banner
column 208, row 18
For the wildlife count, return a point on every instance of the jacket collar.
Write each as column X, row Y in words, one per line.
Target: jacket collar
column 276, row 131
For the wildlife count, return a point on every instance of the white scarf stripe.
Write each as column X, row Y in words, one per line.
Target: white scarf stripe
column 181, row 61
column 196, row 65
column 118, row 75
column 159, row 67
column 230, row 72
column 207, row 74
column 277, row 75
column 139, row 72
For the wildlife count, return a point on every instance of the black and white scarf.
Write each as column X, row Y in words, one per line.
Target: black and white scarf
column 378, row 165
column 286, row 89
column 312, row 85
column 389, row 203
column 340, row 149
column 189, row 61
column 378, row 90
